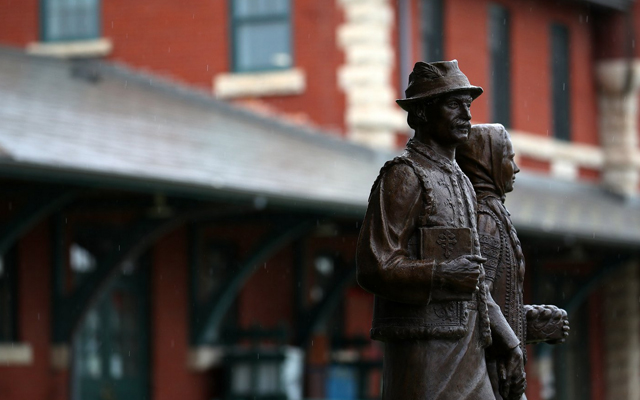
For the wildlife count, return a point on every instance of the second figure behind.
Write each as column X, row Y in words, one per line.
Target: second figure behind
column 487, row 159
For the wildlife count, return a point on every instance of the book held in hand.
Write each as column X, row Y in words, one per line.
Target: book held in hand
column 442, row 244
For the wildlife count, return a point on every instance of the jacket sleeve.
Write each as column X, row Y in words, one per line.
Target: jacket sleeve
column 384, row 266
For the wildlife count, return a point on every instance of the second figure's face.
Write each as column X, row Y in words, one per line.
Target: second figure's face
column 450, row 118
column 509, row 167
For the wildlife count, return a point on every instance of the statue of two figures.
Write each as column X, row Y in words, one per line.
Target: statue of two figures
column 439, row 251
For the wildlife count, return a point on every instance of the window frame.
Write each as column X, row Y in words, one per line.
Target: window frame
column 44, row 25
column 236, row 22
column 560, row 71
column 432, row 42
column 500, row 63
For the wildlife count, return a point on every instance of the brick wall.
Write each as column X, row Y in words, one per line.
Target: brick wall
column 466, row 40
column 19, row 22
column 183, row 40
column 189, row 42
column 35, row 381
column 267, row 297
column 170, row 377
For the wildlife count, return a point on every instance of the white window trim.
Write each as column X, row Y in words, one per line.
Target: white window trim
column 257, row 84
column 557, row 152
column 202, row 358
column 60, row 357
column 16, row 354
column 69, row 49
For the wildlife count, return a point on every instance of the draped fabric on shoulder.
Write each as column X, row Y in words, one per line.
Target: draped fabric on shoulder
column 481, row 159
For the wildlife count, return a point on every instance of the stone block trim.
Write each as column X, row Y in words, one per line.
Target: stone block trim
column 622, row 343
column 618, row 124
column 372, row 117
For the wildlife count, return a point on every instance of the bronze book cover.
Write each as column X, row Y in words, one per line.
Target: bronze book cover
column 441, row 244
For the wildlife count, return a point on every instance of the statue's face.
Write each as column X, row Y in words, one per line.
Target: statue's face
column 449, row 118
column 509, row 167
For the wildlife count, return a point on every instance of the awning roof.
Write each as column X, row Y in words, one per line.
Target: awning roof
column 143, row 131
column 543, row 206
column 137, row 132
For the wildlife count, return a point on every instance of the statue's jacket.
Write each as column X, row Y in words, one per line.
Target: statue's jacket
column 420, row 189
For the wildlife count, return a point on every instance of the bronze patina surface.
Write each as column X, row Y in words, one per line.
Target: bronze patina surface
column 419, row 253
column 487, row 158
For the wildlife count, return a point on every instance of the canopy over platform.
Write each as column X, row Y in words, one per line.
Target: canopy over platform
column 96, row 124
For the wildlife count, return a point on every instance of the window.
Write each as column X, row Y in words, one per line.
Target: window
column 8, row 331
column 560, row 82
column 264, row 373
column 111, row 348
column 500, row 64
column 70, row 20
column 432, row 28
column 261, row 35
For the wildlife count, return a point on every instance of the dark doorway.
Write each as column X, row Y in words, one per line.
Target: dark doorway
column 111, row 350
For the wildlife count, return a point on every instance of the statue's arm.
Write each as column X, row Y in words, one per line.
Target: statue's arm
column 384, row 266
column 546, row 323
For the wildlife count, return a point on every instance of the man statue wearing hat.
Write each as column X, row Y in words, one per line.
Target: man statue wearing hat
column 419, row 253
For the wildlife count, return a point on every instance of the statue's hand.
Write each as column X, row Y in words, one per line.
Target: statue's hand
column 461, row 274
column 513, row 380
column 546, row 323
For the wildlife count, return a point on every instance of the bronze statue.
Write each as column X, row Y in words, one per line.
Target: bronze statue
column 487, row 158
column 419, row 253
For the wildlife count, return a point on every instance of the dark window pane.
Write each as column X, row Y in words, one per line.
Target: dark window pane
column 560, row 82
column 214, row 262
column 500, row 64
column 260, row 8
column 71, row 19
column 261, row 35
column 263, row 46
column 8, row 284
column 432, row 30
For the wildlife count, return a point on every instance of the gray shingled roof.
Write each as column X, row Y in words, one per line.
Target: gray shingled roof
column 135, row 131
column 543, row 206
column 133, row 127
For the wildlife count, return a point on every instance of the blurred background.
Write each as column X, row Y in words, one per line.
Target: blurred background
column 182, row 183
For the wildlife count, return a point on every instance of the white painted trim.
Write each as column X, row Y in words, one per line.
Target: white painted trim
column 79, row 48
column 60, row 357
column 273, row 83
column 19, row 354
column 564, row 169
column 553, row 150
column 345, row 356
column 203, row 358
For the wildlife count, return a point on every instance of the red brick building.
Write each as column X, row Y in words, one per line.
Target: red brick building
column 182, row 184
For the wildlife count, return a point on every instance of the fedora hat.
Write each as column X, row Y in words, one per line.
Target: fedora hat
column 429, row 80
